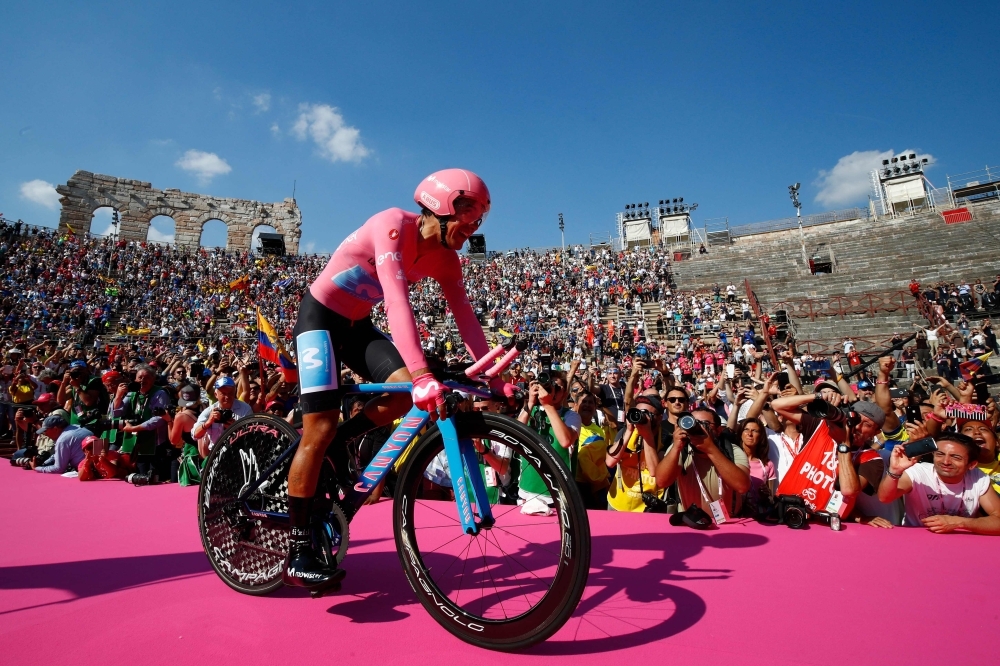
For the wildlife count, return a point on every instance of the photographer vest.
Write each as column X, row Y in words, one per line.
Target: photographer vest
column 530, row 481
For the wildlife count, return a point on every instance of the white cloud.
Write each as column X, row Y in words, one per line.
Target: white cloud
column 849, row 181
column 262, row 102
column 102, row 220
column 275, row 130
column 158, row 236
column 336, row 141
column 41, row 193
column 205, row 166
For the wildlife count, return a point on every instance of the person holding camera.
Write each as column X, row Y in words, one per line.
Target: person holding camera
column 633, row 455
column 76, row 381
column 214, row 420
column 709, row 467
column 545, row 413
column 26, row 419
column 859, row 466
column 945, row 495
column 145, row 412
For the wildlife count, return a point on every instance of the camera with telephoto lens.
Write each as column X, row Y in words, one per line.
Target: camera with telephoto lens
column 636, row 416
column 842, row 415
column 545, row 380
column 224, row 416
column 690, row 425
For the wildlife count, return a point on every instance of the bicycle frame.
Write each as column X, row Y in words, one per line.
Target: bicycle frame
column 460, row 453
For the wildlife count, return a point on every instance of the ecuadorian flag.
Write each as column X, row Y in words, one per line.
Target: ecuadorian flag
column 269, row 348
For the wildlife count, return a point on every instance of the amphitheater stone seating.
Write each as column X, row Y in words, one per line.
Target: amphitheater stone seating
column 870, row 256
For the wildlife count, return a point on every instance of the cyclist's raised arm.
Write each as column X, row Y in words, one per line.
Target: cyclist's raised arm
column 450, row 279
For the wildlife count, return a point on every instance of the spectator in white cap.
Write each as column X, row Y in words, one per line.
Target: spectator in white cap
column 214, row 420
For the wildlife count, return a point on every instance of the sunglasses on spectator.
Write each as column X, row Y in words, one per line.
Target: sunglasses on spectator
column 676, row 399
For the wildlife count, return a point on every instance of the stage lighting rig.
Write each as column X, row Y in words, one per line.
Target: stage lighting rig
column 675, row 206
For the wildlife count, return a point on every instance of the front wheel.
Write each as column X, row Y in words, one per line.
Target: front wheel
column 516, row 582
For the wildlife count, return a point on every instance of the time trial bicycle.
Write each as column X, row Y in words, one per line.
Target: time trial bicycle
column 488, row 573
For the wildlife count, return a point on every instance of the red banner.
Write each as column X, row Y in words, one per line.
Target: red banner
column 813, row 474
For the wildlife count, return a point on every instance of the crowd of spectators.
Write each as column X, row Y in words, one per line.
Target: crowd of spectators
column 612, row 394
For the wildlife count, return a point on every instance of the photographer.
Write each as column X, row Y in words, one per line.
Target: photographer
column 721, row 471
column 214, row 420
column 950, row 492
column 26, row 419
column 145, row 411
column 545, row 413
column 76, row 380
column 859, row 466
column 634, row 458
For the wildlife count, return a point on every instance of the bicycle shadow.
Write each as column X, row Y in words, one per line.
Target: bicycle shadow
column 631, row 598
column 90, row 578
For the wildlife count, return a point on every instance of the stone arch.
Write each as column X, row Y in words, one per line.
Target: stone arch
column 137, row 203
column 268, row 228
column 204, row 223
column 155, row 232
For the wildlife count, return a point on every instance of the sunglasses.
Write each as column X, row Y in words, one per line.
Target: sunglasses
column 676, row 399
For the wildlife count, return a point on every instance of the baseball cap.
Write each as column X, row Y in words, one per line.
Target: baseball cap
column 871, row 410
column 188, row 395
column 45, row 398
column 865, row 385
column 825, row 383
column 224, row 381
column 52, row 421
column 78, row 363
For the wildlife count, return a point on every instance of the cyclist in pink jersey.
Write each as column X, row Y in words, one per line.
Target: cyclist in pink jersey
column 376, row 263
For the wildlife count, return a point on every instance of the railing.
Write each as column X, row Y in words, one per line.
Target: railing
column 826, row 347
column 789, row 222
column 841, row 306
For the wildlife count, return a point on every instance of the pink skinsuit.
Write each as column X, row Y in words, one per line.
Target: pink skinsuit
column 378, row 262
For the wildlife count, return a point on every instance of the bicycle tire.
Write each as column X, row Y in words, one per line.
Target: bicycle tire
column 571, row 553
column 248, row 553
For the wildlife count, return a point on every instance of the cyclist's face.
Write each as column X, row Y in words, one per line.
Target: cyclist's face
column 466, row 220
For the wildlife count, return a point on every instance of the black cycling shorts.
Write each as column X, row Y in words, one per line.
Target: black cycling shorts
column 324, row 340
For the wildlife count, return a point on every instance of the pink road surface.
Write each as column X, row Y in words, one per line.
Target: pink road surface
column 104, row 573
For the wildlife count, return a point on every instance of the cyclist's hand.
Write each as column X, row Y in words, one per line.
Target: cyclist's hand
column 499, row 387
column 428, row 395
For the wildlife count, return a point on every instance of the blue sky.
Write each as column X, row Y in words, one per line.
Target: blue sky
column 576, row 108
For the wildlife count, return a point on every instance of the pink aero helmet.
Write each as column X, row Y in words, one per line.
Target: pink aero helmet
column 438, row 191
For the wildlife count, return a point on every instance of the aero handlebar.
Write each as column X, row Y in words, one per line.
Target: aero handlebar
column 513, row 347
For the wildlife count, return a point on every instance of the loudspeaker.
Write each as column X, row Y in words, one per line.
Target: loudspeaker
column 477, row 244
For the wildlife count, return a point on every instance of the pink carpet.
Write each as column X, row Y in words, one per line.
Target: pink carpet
column 99, row 573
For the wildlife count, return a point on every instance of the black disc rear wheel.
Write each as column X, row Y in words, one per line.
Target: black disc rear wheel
column 248, row 552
